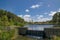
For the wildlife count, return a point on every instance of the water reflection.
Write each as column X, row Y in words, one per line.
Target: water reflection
column 38, row 27
column 35, row 37
column 56, row 26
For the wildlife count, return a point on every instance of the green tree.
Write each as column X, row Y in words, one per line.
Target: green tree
column 56, row 18
column 10, row 19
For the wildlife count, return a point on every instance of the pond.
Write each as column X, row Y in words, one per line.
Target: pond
column 38, row 27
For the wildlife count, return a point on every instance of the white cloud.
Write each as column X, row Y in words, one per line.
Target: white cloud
column 36, row 18
column 40, row 16
column 27, row 18
column 35, row 6
column 27, row 10
column 43, row 19
column 20, row 16
column 59, row 10
column 52, row 13
column 46, row 13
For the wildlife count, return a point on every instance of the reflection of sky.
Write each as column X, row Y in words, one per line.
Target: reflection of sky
column 38, row 27
column 35, row 37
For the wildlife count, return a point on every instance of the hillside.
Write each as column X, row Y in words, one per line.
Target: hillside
column 10, row 19
column 56, row 18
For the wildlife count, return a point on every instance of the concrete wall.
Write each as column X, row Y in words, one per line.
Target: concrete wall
column 50, row 32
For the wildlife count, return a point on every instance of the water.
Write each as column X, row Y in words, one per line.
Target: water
column 37, row 27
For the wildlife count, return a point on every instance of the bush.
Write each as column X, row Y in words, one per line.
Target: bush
column 6, row 34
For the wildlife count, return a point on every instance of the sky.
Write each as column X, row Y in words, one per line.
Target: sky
column 32, row 10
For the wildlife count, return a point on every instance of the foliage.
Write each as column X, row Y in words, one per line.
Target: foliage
column 56, row 18
column 7, row 21
column 6, row 34
column 10, row 19
column 55, row 38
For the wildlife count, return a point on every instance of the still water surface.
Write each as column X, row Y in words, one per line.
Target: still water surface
column 37, row 27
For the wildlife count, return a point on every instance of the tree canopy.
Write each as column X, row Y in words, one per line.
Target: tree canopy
column 10, row 19
column 56, row 18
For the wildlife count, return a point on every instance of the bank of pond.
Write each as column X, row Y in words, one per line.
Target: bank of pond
column 23, row 33
column 47, row 33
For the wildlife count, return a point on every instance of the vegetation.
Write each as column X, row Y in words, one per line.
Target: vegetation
column 7, row 21
column 6, row 33
column 56, row 18
column 10, row 19
column 55, row 38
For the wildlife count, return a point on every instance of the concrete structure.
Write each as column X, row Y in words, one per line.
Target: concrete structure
column 50, row 32
column 46, row 33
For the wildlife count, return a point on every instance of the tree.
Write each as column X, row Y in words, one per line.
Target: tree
column 56, row 18
column 7, row 20
column 10, row 19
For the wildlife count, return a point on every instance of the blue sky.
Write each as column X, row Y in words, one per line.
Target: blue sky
column 36, row 10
